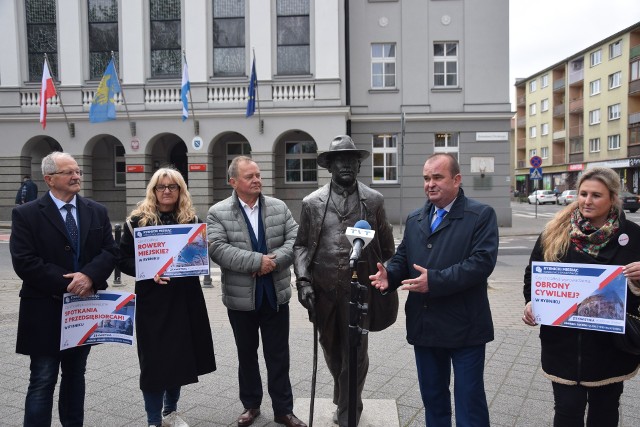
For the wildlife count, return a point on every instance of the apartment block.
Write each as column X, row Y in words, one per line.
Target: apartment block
column 582, row 112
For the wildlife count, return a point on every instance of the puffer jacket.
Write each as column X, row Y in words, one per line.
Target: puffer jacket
column 230, row 248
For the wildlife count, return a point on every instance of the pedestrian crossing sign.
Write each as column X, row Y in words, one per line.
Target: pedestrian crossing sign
column 535, row 173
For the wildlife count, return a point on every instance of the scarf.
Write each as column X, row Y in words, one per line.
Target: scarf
column 589, row 239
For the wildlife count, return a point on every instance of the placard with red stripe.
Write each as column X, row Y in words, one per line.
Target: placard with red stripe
column 583, row 296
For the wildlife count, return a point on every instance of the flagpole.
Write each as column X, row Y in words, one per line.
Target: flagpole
column 132, row 126
column 70, row 128
column 193, row 113
column 260, row 122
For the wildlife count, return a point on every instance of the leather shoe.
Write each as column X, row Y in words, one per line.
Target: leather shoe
column 290, row 420
column 248, row 417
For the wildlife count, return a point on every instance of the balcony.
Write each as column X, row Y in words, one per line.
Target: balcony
column 576, row 157
column 558, row 110
column 521, row 101
column 522, row 143
column 576, row 106
column 634, row 118
column 559, row 135
column 522, row 122
column 558, row 85
column 558, row 159
column 634, row 88
column 521, row 164
column 576, row 77
column 576, row 132
column 634, row 52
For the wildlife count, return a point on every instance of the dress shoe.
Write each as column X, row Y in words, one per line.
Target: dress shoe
column 290, row 420
column 248, row 417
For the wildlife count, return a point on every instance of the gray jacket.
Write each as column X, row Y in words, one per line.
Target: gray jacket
column 230, row 248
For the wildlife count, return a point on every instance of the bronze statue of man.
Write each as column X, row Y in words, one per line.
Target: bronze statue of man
column 321, row 264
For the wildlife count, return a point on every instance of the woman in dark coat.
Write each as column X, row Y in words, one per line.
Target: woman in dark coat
column 172, row 324
column 584, row 365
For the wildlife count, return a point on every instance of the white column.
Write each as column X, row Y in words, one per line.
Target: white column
column 132, row 55
column 9, row 69
column 327, row 39
column 70, row 48
column 260, row 39
column 196, row 41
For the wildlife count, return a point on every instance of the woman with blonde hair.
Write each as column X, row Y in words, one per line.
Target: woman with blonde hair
column 172, row 324
column 585, row 366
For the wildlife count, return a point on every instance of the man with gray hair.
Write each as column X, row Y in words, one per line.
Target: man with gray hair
column 251, row 238
column 59, row 243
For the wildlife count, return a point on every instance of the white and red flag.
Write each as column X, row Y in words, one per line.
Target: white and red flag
column 47, row 91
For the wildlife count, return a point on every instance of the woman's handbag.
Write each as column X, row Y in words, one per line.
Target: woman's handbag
column 629, row 342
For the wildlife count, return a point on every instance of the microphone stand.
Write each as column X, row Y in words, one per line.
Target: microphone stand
column 357, row 310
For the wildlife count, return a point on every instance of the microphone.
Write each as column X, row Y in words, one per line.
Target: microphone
column 360, row 235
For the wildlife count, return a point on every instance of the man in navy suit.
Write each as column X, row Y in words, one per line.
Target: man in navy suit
column 59, row 243
column 448, row 251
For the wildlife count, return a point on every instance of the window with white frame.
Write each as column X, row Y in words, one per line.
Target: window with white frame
column 614, row 142
column 300, row 162
column 615, row 49
column 235, row 149
column 119, row 166
column 544, row 152
column 533, row 132
column 446, row 142
column 533, row 152
column 445, row 64
column 532, row 109
column 383, row 65
column 384, row 166
column 229, row 49
column 594, row 116
column 635, row 70
column 293, row 37
column 594, row 145
column 533, row 84
column 615, row 80
column 594, row 87
column 614, row 111
column 596, row 57
column 544, row 105
column 544, row 129
column 544, row 81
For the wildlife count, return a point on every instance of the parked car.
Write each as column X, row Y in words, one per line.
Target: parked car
column 630, row 201
column 543, row 196
column 567, row 197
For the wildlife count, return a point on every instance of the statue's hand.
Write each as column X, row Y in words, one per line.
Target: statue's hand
column 306, row 296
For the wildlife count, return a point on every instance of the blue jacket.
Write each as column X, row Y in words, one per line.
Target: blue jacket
column 460, row 255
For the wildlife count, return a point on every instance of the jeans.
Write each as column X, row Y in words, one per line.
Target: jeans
column 42, row 382
column 154, row 400
column 571, row 402
column 434, row 373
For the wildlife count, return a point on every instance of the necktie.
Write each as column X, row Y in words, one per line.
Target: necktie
column 440, row 213
column 72, row 227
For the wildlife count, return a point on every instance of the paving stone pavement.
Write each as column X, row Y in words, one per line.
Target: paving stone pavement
column 517, row 393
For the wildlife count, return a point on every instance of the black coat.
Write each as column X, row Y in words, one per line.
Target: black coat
column 570, row 355
column 42, row 253
column 172, row 326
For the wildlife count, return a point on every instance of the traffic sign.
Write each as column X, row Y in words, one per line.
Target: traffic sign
column 535, row 173
column 535, row 161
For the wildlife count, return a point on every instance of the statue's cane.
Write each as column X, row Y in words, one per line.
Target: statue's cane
column 315, row 366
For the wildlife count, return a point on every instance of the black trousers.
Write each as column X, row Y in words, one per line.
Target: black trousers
column 571, row 401
column 274, row 328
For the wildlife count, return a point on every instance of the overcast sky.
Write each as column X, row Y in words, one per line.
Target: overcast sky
column 544, row 32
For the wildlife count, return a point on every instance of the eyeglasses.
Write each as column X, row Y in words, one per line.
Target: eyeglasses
column 68, row 173
column 170, row 187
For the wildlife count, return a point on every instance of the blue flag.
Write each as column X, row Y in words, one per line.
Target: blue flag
column 253, row 84
column 186, row 86
column 103, row 107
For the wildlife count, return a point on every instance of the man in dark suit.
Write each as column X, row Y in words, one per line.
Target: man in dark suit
column 448, row 251
column 60, row 243
column 27, row 192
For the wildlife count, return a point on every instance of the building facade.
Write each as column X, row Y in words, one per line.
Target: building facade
column 582, row 112
column 405, row 79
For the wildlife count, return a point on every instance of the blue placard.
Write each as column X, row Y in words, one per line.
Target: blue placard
column 535, row 173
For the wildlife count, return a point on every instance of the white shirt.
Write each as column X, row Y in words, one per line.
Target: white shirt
column 252, row 214
column 63, row 212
